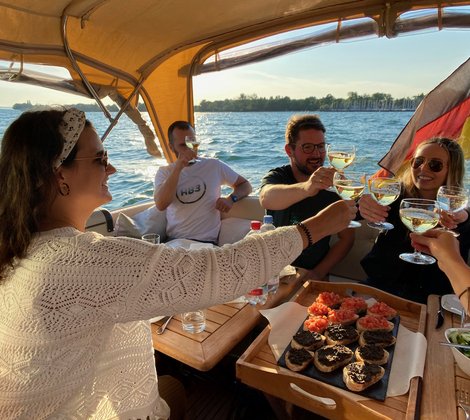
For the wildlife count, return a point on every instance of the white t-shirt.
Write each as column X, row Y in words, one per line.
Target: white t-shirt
column 192, row 214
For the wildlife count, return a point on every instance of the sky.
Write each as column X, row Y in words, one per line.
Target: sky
column 403, row 67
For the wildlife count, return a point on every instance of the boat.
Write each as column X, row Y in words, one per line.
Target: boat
column 148, row 51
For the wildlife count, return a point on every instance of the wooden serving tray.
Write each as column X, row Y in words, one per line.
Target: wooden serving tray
column 258, row 368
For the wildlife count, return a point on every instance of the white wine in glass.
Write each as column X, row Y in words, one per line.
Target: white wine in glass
column 419, row 216
column 452, row 200
column 349, row 186
column 193, row 143
column 341, row 156
column 385, row 191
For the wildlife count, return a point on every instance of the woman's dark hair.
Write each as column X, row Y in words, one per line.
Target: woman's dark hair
column 28, row 184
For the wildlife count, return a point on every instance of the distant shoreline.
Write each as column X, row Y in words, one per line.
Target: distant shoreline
column 377, row 102
column 98, row 109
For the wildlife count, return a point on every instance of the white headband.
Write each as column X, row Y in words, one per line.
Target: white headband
column 71, row 126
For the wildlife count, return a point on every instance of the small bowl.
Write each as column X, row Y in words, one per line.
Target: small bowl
column 462, row 361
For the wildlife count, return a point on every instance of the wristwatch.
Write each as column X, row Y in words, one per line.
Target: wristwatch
column 234, row 198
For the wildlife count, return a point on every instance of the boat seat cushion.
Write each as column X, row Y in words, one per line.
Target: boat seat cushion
column 232, row 229
column 151, row 220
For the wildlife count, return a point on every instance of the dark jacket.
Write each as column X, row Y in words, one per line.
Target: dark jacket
column 386, row 271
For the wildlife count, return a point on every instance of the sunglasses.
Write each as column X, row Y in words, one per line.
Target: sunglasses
column 309, row 148
column 103, row 159
column 435, row 165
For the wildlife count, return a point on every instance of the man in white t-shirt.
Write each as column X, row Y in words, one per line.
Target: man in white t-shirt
column 190, row 191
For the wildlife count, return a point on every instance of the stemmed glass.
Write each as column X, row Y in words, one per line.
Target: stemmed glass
column 193, row 143
column 385, row 191
column 452, row 200
column 349, row 186
column 419, row 215
column 341, row 155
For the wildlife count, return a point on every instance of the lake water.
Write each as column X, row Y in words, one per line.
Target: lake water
column 251, row 143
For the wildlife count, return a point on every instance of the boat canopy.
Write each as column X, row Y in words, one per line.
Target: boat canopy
column 149, row 50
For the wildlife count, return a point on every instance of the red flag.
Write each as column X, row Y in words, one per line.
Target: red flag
column 444, row 112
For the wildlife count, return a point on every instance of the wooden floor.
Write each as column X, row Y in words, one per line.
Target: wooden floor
column 218, row 395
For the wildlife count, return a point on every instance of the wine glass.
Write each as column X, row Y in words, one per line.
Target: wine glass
column 349, row 186
column 452, row 200
column 193, row 143
column 385, row 191
column 341, row 155
column 419, row 215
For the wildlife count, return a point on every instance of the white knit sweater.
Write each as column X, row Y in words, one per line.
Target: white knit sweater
column 71, row 343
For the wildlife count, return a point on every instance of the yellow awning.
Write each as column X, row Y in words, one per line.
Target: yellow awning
column 156, row 45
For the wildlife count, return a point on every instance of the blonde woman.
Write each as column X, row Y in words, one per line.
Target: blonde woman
column 436, row 162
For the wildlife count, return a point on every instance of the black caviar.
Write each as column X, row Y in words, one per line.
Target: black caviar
column 299, row 356
column 332, row 355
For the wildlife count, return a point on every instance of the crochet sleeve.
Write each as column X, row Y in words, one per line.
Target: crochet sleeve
column 128, row 279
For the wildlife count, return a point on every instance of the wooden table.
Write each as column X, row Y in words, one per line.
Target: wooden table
column 226, row 326
column 442, row 377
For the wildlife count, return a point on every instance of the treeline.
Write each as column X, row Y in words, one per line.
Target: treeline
column 83, row 107
column 254, row 103
column 354, row 102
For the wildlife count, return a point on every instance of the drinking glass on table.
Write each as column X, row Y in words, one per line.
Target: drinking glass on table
column 419, row 215
column 153, row 238
column 452, row 200
column 341, row 155
column 193, row 143
column 194, row 321
column 385, row 191
column 349, row 186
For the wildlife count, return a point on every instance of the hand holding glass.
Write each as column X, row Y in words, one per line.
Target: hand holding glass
column 452, row 200
column 385, row 191
column 349, row 186
column 418, row 215
column 193, row 144
column 341, row 155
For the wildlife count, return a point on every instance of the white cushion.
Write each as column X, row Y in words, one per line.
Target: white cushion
column 150, row 220
column 232, row 230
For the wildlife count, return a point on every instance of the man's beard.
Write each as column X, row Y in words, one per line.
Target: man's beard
column 304, row 169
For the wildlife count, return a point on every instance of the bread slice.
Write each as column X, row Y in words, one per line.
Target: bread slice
column 307, row 340
column 382, row 309
column 378, row 338
column 342, row 316
column 330, row 358
column 372, row 354
column 374, row 323
column 359, row 376
column 315, row 324
column 330, row 299
column 341, row 334
column 298, row 359
column 318, row 309
column 357, row 304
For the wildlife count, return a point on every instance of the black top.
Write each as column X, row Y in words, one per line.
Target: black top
column 386, row 271
column 299, row 211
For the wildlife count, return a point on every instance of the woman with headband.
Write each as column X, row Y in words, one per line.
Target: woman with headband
column 436, row 162
column 72, row 343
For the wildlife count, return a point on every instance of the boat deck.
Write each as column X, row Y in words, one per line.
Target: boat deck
column 218, row 395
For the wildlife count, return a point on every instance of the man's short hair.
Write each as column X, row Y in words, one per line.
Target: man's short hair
column 181, row 125
column 302, row 122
